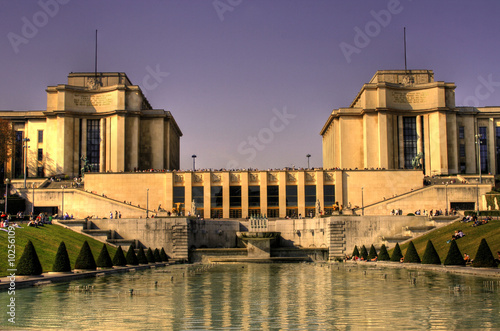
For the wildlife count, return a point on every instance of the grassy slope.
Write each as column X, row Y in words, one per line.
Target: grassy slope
column 46, row 240
column 467, row 244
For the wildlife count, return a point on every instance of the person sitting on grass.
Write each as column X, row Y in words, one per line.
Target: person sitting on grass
column 467, row 259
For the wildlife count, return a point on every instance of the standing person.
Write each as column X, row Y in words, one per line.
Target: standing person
column 116, row 214
column 119, row 214
column 110, row 215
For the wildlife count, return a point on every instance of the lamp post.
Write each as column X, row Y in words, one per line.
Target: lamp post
column 308, row 156
column 147, row 203
column 362, row 202
column 478, row 142
column 194, row 164
column 33, row 201
column 7, row 182
column 62, row 204
column 25, row 146
column 446, row 209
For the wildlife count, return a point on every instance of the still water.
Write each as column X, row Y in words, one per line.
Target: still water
column 261, row 297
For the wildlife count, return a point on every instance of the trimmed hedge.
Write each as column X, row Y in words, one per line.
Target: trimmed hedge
column 61, row 261
column 131, row 257
column 363, row 253
column 29, row 263
column 373, row 253
column 163, row 255
column 484, row 258
column 119, row 258
column 85, row 259
column 396, row 254
column 150, row 256
column 411, row 255
column 454, row 256
column 156, row 255
column 104, row 260
column 430, row 254
column 383, row 255
column 355, row 252
column 141, row 256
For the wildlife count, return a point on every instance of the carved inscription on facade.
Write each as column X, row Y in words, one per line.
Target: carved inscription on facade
column 408, row 97
column 92, row 100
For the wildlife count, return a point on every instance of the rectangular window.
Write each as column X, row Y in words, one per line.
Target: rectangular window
column 462, row 150
column 310, row 191
column 234, row 196
column 291, row 195
column 93, row 144
column 461, row 132
column 40, row 136
column 19, row 155
column 40, row 155
column 483, row 149
column 216, row 196
column 329, row 195
column 40, row 172
column 179, row 195
column 410, row 140
column 497, row 133
column 198, row 196
column 273, row 196
column 254, row 196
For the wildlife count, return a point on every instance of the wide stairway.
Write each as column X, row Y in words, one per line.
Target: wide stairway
column 337, row 239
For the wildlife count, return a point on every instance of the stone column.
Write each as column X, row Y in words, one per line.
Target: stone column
column 401, row 143
column 492, row 166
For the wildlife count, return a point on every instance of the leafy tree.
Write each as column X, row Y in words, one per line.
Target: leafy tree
column 150, row 256
column 396, row 254
column 156, row 255
column 29, row 264
column 411, row 255
column 131, row 257
column 141, row 256
column 104, row 260
column 430, row 254
column 383, row 254
column 163, row 255
column 484, row 258
column 85, row 259
column 61, row 262
column 364, row 253
column 454, row 256
column 119, row 258
column 7, row 139
column 355, row 252
column 373, row 253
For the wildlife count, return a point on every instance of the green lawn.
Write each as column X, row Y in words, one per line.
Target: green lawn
column 468, row 244
column 46, row 240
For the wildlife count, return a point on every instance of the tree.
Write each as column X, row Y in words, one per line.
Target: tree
column 131, row 257
column 364, row 253
column 484, row 258
column 119, row 258
column 61, row 262
column 373, row 253
column 156, row 255
column 85, row 259
column 104, row 260
column 411, row 255
column 150, row 256
column 163, row 255
column 29, row 264
column 355, row 252
column 383, row 254
column 7, row 139
column 141, row 256
column 454, row 256
column 430, row 254
column 396, row 254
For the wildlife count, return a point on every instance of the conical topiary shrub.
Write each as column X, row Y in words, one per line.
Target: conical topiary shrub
column 150, row 256
column 85, row 259
column 383, row 255
column 454, row 256
column 163, row 255
column 29, row 264
column 61, row 262
column 355, row 252
column 484, row 258
column 363, row 253
column 396, row 254
column 430, row 254
column 141, row 256
column 104, row 260
column 411, row 255
column 373, row 253
column 119, row 258
column 131, row 257
column 156, row 255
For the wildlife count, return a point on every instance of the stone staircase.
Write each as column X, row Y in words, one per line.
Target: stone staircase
column 337, row 239
column 180, row 242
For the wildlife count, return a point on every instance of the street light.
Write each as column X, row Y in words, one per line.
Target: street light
column 25, row 146
column 308, row 156
column 446, row 209
column 194, row 158
column 33, row 201
column 478, row 142
column 147, row 203
column 362, row 202
column 7, row 181
column 62, row 204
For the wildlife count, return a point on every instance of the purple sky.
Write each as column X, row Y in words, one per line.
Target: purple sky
column 226, row 72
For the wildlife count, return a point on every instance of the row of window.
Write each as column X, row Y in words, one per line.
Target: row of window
column 216, row 196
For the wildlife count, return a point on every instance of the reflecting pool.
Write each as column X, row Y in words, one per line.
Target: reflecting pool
column 261, row 297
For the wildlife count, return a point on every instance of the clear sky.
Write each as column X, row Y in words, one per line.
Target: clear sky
column 250, row 82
